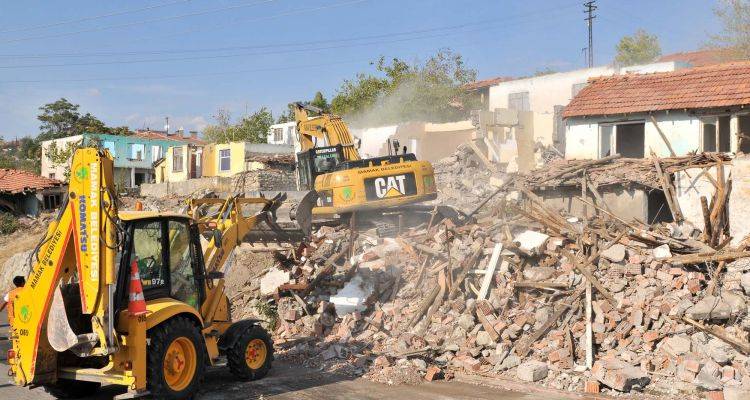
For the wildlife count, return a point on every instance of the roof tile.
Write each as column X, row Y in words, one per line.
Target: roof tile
column 16, row 181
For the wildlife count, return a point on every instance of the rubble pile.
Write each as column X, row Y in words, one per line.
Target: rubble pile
column 457, row 177
column 524, row 292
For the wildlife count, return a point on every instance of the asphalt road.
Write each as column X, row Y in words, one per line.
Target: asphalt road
column 291, row 382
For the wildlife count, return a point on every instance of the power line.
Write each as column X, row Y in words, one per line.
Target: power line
column 94, row 17
column 590, row 8
column 129, row 24
column 307, row 49
column 193, row 75
column 484, row 24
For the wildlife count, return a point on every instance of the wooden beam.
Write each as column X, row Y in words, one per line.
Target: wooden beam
column 490, row 271
column 664, row 137
column 577, row 263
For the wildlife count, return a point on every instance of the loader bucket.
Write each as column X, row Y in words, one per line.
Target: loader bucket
column 59, row 333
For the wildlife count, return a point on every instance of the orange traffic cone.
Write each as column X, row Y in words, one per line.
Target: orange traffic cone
column 137, row 303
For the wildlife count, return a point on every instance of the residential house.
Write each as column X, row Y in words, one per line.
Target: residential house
column 481, row 89
column 216, row 159
column 134, row 155
column 23, row 192
column 547, row 95
column 697, row 109
column 284, row 133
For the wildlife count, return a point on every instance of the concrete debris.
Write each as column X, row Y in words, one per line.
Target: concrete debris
column 413, row 308
column 532, row 371
column 272, row 280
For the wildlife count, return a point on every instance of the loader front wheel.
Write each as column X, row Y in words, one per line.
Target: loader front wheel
column 250, row 357
column 69, row 389
column 176, row 359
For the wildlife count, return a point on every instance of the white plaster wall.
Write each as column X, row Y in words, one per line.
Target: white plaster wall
column 373, row 139
column 581, row 139
column 681, row 129
column 547, row 91
column 690, row 185
column 48, row 167
column 739, row 200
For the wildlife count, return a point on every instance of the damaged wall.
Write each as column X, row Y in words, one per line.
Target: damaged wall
column 626, row 203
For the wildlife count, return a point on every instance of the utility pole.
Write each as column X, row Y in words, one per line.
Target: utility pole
column 590, row 8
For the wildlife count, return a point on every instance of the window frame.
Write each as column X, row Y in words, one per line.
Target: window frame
column 227, row 157
column 524, row 97
column 176, row 157
column 133, row 151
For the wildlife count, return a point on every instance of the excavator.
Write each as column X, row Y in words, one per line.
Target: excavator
column 329, row 164
column 133, row 298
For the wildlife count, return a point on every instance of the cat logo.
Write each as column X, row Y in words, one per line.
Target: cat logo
column 391, row 186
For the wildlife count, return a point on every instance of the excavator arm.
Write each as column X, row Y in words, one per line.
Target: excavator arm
column 328, row 127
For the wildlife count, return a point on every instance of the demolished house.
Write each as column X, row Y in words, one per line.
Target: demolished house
column 25, row 193
column 525, row 290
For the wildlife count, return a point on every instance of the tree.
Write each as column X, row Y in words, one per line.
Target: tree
column 62, row 119
column 640, row 48
column 735, row 34
column 429, row 91
column 320, row 101
column 253, row 128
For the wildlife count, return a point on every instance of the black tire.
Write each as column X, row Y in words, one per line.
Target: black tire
column 70, row 389
column 161, row 337
column 236, row 360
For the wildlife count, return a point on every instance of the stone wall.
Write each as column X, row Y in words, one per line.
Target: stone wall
column 250, row 181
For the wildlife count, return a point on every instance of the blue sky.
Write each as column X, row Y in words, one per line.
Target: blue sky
column 135, row 62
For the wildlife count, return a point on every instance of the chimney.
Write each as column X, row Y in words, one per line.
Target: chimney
column 194, row 134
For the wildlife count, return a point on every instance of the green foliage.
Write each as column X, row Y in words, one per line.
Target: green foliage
column 62, row 119
column 20, row 154
column 640, row 48
column 8, row 223
column 252, row 128
column 735, row 34
column 269, row 314
column 401, row 92
column 320, row 101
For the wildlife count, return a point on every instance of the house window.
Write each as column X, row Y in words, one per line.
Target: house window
column 137, row 150
column 577, row 88
column 519, row 101
column 708, row 130
column 626, row 139
column 52, row 175
column 176, row 159
column 155, row 153
column 224, row 160
column 278, row 135
column 109, row 145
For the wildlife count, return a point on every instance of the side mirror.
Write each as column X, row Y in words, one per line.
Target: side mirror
column 217, row 237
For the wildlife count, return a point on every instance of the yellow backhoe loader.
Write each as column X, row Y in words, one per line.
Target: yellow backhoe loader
column 329, row 164
column 70, row 325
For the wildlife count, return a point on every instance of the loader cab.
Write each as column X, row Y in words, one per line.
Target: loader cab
column 317, row 161
column 167, row 251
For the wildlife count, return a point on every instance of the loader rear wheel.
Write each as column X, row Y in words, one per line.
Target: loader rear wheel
column 251, row 355
column 176, row 359
column 70, row 389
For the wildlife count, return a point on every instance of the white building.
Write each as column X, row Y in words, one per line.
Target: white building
column 284, row 133
column 547, row 95
column 696, row 109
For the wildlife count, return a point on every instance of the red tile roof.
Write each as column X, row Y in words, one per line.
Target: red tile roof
column 720, row 85
column 485, row 83
column 15, row 181
column 701, row 58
